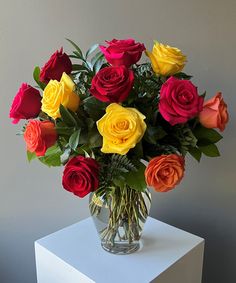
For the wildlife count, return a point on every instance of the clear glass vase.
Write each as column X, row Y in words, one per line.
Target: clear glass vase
column 120, row 218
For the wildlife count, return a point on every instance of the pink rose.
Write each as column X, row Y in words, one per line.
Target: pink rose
column 26, row 104
column 123, row 52
column 58, row 63
column 214, row 113
column 179, row 101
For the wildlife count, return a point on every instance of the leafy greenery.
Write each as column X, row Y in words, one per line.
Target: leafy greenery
column 36, row 74
column 210, row 150
column 52, row 156
column 31, row 155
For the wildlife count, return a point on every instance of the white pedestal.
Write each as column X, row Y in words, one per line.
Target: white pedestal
column 74, row 255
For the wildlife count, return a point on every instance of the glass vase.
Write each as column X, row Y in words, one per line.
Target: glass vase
column 119, row 218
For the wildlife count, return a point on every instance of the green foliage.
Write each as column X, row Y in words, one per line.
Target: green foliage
column 94, row 108
column 36, row 74
column 195, row 152
column 146, row 82
column 79, row 68
column 183, row 76
column 210, row 150
column 153, row 134
column 31, row 155
column 206, row 136
column 67, row 117
column 114, row 168
column 122, row 163
column 185, row 137
column 135, row 179
column 65, row 155
column 91, row 50
column 78, row 50
column 74, row 139
column 52, row 156
column 64, row 130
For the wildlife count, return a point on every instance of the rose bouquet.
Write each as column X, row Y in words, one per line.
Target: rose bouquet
column 106, row 114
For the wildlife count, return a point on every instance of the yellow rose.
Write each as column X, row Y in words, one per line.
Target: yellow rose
column 166, row 60
column 56, row 93
column 121, row 128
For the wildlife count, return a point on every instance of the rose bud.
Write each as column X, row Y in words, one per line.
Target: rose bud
column 112, row 84
column 164, row 172
column 58, row 63
column 39, row 136
column 122, row 52
column 214, row 113
column 179, row 101
column 26, row 104
column 81, row 176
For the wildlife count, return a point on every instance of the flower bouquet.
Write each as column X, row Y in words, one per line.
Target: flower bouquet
column 118, row 125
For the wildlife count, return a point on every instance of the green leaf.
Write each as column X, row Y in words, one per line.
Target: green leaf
column 74, row 139
column 94, row 108
column 79, row 52
column 205, row 134
column 182, row 75
column 97, row 66
column 77, row 67
column 36, row 74
column 91, row 50
column 97, row 57
column 67, row 117
column 119, row 182
column 138, row 150
column 64, row 130
column 136, row 179
column 196, row 153
column 210, row 150
column 52, row 156
column 31, row 155
column 94, row 138
column 65, row 155
column 153, row 134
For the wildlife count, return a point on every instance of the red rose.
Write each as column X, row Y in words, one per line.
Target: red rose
column 58, row 63
column 26, row 104
column 179, row 101
column 112, row 84
column 123, row 52
column 80, row 176
column 39, row 136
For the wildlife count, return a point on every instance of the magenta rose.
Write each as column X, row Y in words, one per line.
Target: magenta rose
column 26, row 104
column 112, row 84
column 58, row 63
column 123, row 52
column 179, row 101
column 80, row 176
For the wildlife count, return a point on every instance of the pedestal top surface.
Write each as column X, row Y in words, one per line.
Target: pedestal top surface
column 79, row 246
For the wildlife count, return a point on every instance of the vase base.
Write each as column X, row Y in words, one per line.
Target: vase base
column 121, row 248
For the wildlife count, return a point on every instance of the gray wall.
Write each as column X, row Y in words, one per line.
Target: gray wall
column 33, row 203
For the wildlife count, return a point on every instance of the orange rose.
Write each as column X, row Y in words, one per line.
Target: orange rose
column 214, row 113
column 164, row 172
column 39, row 136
